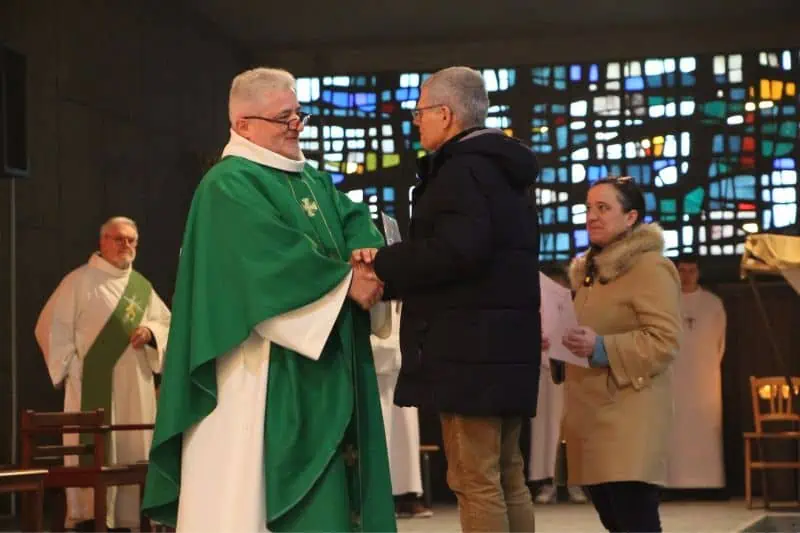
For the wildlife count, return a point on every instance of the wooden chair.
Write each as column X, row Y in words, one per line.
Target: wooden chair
column 773, row 403
column 30, row 482
column 426, row 450
column 96, row 474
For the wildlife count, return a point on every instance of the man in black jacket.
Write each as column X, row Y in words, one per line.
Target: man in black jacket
column 468, row 278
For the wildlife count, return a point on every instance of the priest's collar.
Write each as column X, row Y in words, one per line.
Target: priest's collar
column 97, row 261
column 241, row 147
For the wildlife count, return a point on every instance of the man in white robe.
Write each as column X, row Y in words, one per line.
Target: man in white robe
column 695, row 451
column 72, row 319
column 401, row 425
column 546, row 425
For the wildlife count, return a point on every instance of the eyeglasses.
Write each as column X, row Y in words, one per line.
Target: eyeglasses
column 122, row 240
column 292, row 124
column 416, row 113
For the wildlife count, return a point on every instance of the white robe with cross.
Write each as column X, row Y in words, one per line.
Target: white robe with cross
column 69, row 323
column 220, row 488
column 695, row 450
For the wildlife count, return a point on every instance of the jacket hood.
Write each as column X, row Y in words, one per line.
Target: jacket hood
column 517, row 161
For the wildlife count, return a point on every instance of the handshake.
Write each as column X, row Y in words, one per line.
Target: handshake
column 365, row 288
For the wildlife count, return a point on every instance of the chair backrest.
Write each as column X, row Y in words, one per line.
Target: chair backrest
column 33, row 425
column 774, row 400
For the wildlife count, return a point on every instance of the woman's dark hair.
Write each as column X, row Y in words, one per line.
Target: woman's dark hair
column 629, row 194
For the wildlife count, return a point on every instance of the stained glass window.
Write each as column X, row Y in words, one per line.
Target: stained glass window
column 711, row 139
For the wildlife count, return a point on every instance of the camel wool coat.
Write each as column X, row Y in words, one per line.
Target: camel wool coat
column 618, row 418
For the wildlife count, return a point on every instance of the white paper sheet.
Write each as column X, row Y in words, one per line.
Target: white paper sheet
column 558, row 315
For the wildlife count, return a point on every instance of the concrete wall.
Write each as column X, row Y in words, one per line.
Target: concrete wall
column 125, row 100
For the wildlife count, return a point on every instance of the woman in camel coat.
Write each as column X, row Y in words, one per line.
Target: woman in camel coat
column 619, row 410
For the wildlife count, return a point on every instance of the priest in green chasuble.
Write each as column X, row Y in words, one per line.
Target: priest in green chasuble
column 103, row 332
column 269, row 414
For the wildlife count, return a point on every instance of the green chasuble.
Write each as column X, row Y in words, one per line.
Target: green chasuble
column 260, row 242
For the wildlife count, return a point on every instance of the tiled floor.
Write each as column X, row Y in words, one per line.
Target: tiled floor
column 708, row 517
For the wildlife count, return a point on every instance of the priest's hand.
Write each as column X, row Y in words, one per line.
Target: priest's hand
column 140, row 337
column 365, row 288
column 545, row 343
column 580, row 341
column 363, row 255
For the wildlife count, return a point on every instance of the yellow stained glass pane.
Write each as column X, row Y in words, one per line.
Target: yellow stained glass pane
column 658, row 149
column 751, row 91
column 777, row 89
column 391, row 160
column 372, row 161
column 791, row 89
column 658, row 140
column 765, row 93
column 420, row 153
column 509, row 132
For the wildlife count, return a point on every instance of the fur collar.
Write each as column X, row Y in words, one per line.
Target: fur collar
column 618, row 257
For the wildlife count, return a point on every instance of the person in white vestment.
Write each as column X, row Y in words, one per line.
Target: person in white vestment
column 73, row 317
column 696, row 449
column 546, row 426
column 401, row 425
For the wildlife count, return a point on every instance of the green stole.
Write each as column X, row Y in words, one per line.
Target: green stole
column 110, row 344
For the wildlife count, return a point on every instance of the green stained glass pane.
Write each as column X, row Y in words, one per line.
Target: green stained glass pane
column 769, row 128
column 767, row 148
column 736, row 107
column 655, row 100
column 693, row 201
column 715, row 109
column 788, row 130
column 668, row 205
column 783, row 149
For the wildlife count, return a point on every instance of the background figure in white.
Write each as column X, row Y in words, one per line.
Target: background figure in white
column 695, row 450
column 69, row 323
column 546, row 427
column 401, row 425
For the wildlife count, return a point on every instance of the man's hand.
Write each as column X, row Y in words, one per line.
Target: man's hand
column 365, row 288
column 545, row 343
column 580, row 341
column 363, row 255
column 140, row 337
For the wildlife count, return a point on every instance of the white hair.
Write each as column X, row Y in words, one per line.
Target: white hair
column 462, row 90
column 116, row 221
column 249, row 87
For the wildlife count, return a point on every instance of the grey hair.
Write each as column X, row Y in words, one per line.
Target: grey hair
column 462, row 90
column 248, row 88
column 113, row 221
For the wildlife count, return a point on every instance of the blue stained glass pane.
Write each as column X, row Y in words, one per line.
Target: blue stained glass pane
column 738, row 93
column 661, row 163
column 635, row 171
column 648, row 219
column 580, row 139
column 369, row 191
column 789, row 110
column 745, row 187
column 386, row 96
column 406, row 128
column 593, row 74
column 784, row 164
column 340, row 112
column 561, row 137
column 594, row 173
column 654, row 81
column 558, row 109
column 615, row 170
column 541, row 72
column 337, row 178
column 735, row 144
column 401, row 94
column 687, row 80
column 647, row 175
column 548, row 175
column 540, row 108
column 560, row 84
column 341, row 99
column 713, row 190
column 512, row 76
column 719, row 144
column 361, row 98
column 548, row 215
column 413, row 93
column 326, row 96
column 560, row 72
column 670, row 79
column 563, row 175
column 388, row 194
column 635, row 83
column 547, row 242
column 562, row 242
column 563, row 213
column 649, row 201
column 581, row 238
column 575, row 72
